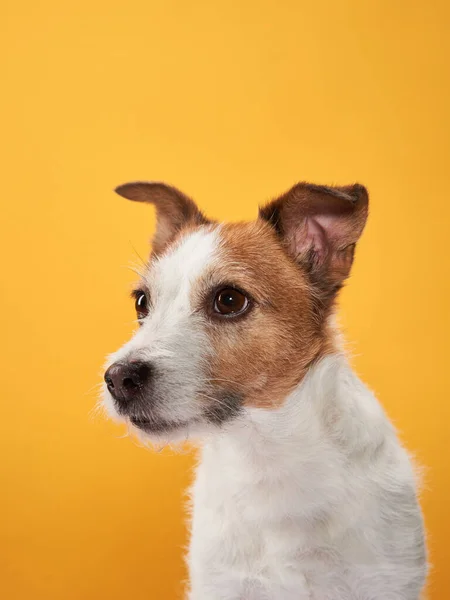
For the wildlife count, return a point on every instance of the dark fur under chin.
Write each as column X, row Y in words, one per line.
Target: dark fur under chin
column 228, row 406
column 158, row 425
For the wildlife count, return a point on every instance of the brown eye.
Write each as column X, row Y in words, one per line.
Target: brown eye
column 230, row 302
column 141, row 305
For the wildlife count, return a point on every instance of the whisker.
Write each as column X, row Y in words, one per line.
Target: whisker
column 97, row 411
column 214, row 379
column 138, row 255
column 136, row 271
column 97, row 385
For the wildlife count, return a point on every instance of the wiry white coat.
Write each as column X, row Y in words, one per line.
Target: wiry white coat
column 314, row 500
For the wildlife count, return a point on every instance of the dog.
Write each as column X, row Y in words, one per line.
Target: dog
column 303, row 490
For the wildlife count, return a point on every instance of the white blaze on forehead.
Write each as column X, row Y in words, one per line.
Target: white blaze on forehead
column 172, row 276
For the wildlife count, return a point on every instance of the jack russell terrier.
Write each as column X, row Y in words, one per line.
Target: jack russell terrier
column 303, row 491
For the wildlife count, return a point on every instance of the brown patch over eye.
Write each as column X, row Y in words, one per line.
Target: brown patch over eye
column 230, row 302
column 140, row 304
column 265, row 352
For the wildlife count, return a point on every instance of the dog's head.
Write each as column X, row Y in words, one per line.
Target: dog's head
column 231, row 315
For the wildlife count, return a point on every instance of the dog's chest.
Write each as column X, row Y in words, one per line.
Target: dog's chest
column 251, row 534
column 244, row 560
column 280, row 512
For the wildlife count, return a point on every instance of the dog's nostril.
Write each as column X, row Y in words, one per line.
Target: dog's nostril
column 129, row 384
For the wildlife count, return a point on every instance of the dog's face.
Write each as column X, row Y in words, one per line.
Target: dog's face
column 231, row 315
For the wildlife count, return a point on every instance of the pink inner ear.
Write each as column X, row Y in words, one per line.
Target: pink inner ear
column 312, row 235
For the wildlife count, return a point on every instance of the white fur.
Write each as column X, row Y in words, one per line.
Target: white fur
column 314, row 500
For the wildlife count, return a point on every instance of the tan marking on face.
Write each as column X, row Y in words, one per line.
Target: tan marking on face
column 265, row 353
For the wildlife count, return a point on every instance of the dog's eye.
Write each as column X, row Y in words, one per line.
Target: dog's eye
column 141, row 305
column 230, row 302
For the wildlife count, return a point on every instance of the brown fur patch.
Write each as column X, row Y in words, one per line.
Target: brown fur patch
column 266, row 353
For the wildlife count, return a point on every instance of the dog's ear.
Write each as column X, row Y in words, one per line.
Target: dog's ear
column 174, row 210
column 319, row 227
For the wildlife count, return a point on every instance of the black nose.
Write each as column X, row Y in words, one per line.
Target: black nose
column 127, row 380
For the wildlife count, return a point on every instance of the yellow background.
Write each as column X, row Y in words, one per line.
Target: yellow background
column 233, row 102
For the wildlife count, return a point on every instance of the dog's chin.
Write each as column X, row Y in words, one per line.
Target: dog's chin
column 163, row 432
column 158, row 426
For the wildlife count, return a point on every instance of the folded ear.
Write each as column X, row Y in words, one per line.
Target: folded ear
column 319, row 227
column 174, row 210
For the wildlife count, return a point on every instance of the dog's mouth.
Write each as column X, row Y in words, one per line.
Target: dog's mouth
column 158, row 426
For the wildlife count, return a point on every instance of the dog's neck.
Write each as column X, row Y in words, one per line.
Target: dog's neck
column 294, row 459
column 290, row 418
column 328, row 409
